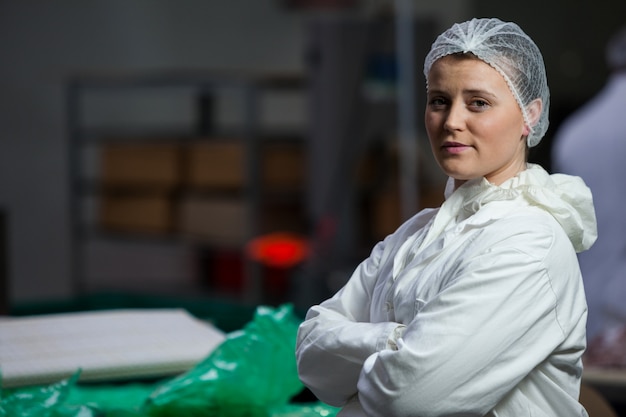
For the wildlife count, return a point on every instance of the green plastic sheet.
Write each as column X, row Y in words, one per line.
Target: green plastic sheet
column 252, row 373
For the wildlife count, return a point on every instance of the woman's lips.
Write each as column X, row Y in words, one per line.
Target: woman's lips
column 454, row 147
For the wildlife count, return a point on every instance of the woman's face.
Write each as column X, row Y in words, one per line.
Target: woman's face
column 475, row 126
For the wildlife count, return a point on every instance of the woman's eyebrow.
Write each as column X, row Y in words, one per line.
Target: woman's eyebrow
column 436, row 91
column 470, row 91
column 480, row 92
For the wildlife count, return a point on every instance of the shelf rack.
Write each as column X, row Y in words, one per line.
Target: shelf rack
column 249, row 86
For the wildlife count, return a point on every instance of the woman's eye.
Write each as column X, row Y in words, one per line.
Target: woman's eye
column 437, row 102
column 479, row 104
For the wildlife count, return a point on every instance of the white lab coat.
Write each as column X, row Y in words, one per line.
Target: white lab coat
column 473, row 309
column 592, row 145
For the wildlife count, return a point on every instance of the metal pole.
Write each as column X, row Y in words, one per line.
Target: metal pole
column 407, row 130
column 76, row 232
column 4, row 263
column 253, row 286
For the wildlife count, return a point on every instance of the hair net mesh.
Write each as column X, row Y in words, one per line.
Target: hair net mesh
column 505, row 47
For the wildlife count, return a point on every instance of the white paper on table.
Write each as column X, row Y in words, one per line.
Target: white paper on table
column 106, row 345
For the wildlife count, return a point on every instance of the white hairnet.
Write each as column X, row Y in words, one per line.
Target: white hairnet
column 505, row 47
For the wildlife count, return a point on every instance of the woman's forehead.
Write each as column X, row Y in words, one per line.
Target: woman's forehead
column 473, row 73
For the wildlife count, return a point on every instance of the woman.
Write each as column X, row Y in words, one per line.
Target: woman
column 476, row 308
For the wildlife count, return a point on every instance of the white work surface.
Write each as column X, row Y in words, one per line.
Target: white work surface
column 106, row 345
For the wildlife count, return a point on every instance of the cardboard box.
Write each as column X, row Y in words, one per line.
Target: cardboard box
column 157, row 166
column 215, row 164
column 222, row 164
column 141, row 214
column 214, row 220
column 386, row 209
column 283, row 166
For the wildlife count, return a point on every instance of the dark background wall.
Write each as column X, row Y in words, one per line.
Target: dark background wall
column 572, row 36
column 42, row 43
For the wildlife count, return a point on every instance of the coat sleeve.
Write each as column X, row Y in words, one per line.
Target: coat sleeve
column 336, row 337
column 486, row 330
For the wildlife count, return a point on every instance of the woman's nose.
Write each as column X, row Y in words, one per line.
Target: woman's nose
column 455, row 118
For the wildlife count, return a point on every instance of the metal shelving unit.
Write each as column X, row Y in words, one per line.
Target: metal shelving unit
column 202, row 87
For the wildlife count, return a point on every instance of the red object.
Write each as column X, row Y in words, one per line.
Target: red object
column 280, row 250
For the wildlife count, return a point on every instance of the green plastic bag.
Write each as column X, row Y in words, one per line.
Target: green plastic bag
column 305, row 410
column 114, row 400
column 251, row 372
column 47, row 401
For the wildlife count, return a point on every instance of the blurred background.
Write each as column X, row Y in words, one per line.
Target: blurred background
column 248, row 150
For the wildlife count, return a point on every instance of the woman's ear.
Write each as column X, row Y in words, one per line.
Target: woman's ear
column 533, row 110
